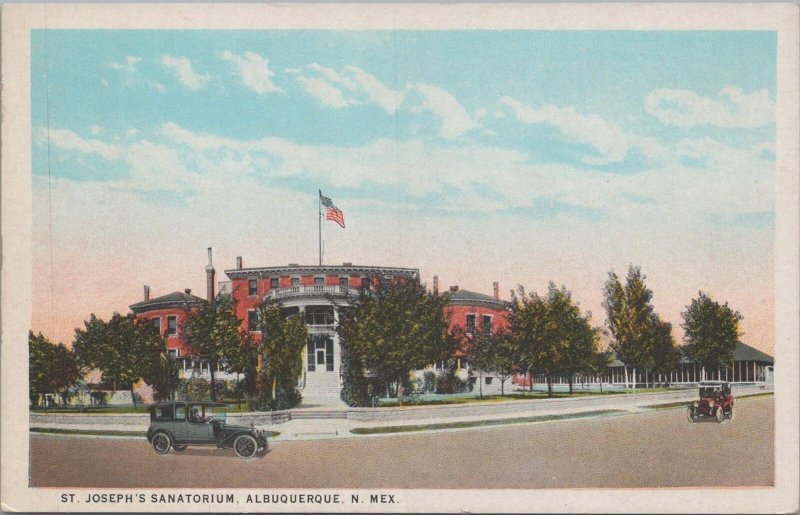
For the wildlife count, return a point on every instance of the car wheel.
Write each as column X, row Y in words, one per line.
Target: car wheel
column 245, row 446
column 161, row 443
column 730, row 413
column 720, row 414
column 180, row 447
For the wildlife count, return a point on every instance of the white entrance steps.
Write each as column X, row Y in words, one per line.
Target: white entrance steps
column 322, row 390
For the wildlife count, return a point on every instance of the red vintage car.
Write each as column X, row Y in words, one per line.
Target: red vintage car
column 716, row 401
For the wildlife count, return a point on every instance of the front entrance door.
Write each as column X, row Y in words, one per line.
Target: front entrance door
column 320, row 354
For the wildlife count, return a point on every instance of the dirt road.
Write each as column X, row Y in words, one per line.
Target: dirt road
column 656, row 448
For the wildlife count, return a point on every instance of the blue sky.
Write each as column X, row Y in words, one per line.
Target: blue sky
column 652, row 148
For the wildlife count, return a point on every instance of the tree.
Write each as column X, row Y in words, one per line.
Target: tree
column 503, row 358
column 635, row 328
column 551, row 334
column 711, row 332
column 52, row 367
column 121, row 349
column 394, row 329
column 479, row 351
column 126, row 349
column 213, row 331
column 282, row 342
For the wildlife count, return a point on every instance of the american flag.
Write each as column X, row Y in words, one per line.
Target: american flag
column 332, row 212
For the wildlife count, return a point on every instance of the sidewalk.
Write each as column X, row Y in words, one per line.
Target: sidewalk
column 337, row 428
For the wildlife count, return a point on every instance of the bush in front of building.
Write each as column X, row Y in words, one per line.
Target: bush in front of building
column 194, row 389
column 448, row 382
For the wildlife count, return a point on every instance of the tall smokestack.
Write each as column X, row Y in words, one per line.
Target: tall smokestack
column 146, row 292
column 210, row 278
column 238, row 262
column 496, row 290
column 436, row 285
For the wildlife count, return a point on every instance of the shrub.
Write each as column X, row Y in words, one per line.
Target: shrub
column 429, row 382
column 194, row 389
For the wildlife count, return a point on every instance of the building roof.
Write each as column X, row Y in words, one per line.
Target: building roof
column 471, row 298
column 292, row 269
column 178, row 300
column 742, row 352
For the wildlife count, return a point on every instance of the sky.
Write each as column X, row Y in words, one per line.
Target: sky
column 521, row 157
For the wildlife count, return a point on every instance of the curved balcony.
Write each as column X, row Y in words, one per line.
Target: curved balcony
column 313, row 290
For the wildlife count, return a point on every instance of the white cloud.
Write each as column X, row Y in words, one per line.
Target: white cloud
column 253, row 70
column 67, row 140
column 730, row 109
column 323, row 92
column 183, row 69
column 609, row 139
column 95, row 130
column 351, row 86
column 455, row 119
column 718, row 180
column 129, row 64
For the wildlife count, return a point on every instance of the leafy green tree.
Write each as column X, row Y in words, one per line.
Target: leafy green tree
column 711, row 332
column 639, row 337
column 551, row 334
column 213, row 331
column 599, row 364
column 244, row 360
column 503, row 358
column 282, row 342
column 52, row 367
column 394, row 329
column 119, row 348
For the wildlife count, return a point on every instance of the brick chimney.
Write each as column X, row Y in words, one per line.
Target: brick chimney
column 210, row 278
column 146, row 292
column 238, row 262
column 436, row 285
column 454, row 288
column 496, row 290
column 187, row 291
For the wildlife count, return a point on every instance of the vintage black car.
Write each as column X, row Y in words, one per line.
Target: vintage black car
column 178, row 424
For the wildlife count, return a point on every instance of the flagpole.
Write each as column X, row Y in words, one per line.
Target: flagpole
column 319, row 204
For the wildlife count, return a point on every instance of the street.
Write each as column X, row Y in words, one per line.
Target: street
column 657, row 448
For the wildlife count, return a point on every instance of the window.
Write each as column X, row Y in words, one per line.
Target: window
column 180, row 412
column 319, row 315
column 319, row 281
column 311, row 361
column 274, row 283
column 471, row 323
column 174, row 353
column 172, row 325
column 252, row 320
column 486, row 324
column 295, row 281
column 489, row 380
column 157, row 324
column 252, row 287
column 165, row 413
column 343, row 283
column 365, row 283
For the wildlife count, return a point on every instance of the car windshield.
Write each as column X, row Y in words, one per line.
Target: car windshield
column 710, row 391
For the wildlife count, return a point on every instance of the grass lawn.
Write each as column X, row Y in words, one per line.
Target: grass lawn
column 233, row 407
column 478, row 423
column 515, row 396
column 143, row 434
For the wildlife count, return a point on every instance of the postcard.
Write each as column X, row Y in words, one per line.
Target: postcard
column 400, row 258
